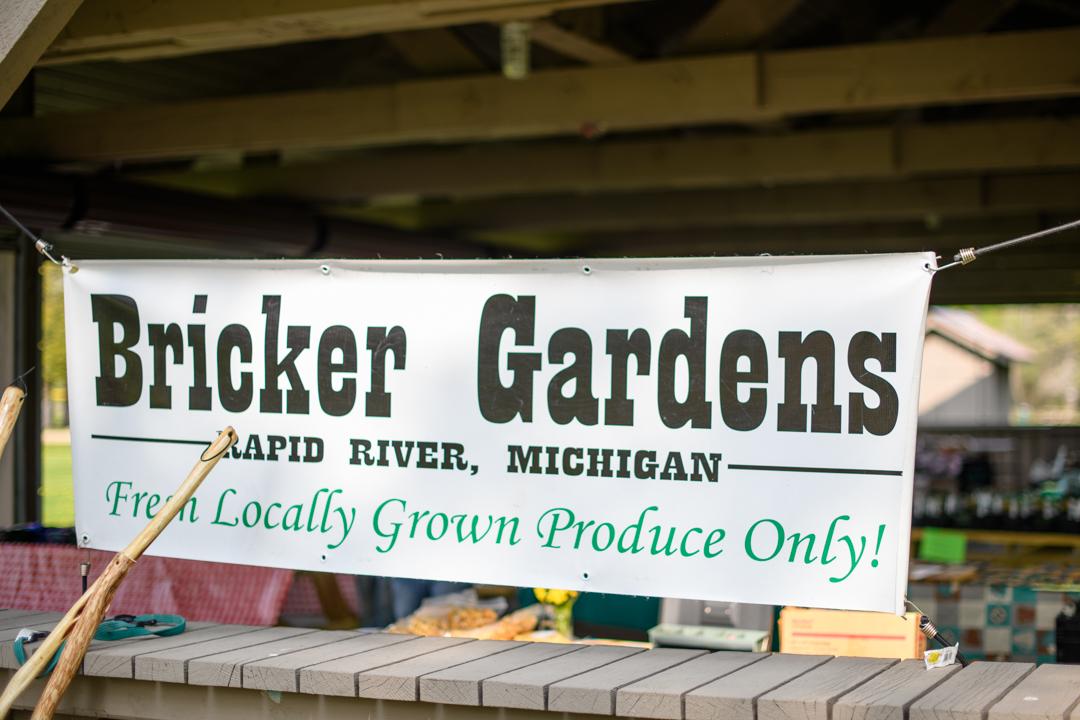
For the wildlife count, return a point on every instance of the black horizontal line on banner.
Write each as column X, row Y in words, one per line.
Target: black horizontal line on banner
column 831, row 471
column 128, row 438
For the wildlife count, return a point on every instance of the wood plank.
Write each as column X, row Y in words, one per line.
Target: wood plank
column 727, row 88
column 622, row 165
column 283, row 672
column 888, row 201
column 968, row 694
column 593, row 692
column 120, row 645
column 735, row 25
column 1022, row 538
column 338, row 677
column 887, row 696
column 28, row 28
column 172, row 665
column 1050, row 692
column 461, row 685
column 225, row 669
column 436, row 52
column 136, row 29
column 901, row 236
column 961, row 17
column 872, row 76
column 661, row 695
column 401, row 681
column 574, row 46
column 7, row 638
column 734, row 696
column 811, row 696
column 118, row 660
column 527, row 687
column 8, row 635
column 105, row 697
column 45, row 621
column 19, row 618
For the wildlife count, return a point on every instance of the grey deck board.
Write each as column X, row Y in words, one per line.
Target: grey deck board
column 1048, row 693
column 171, row 665
column 968, row 694
column 456, row 675
column 461, row 685
column 811, row 695
column 734, row 696
column 117, row 645
column 527, row 687
column 118, row 659
column 594, row 691
column 887, row 696
column 8, row 635
column 19, row 618
column 7, row 638
column 401, row 681
column 338, row 677
column 661, row 695
column 283, row 672
column 226, row 669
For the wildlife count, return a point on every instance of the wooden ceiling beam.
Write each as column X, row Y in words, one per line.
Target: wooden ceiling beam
column 970, row 197
column 960, row 17
column 1045, row 271
column 628, row 165
column 143, row 29
column 945, row 236
column 735, row 25
column 575, row 46
column 963, row 286
column 729, row 88
column 26, row 30
column 436, row 51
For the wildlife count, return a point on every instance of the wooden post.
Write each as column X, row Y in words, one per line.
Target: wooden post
column 77, row 627
column 10, row 404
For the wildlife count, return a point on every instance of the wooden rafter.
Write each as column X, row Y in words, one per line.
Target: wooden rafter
column 26, row 30
column 436, row 51
column 628, row 165
column 731, row 88
column 735, row 25
column 574, row 45
column 945, row 235
column 960, row 17
column 793, row 204
column 141, row 29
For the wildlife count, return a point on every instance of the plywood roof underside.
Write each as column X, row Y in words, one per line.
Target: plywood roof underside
column 655, row 127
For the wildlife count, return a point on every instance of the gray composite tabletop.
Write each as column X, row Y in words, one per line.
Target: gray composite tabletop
column 242, row 671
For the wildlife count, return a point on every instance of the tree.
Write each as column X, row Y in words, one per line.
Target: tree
column 1049, row 384
column 53, row 352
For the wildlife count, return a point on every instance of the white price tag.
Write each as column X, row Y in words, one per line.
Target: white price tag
column 941, row 657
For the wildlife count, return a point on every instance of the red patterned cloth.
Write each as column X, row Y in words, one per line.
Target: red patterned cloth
column 303, row 599
column 46, row 577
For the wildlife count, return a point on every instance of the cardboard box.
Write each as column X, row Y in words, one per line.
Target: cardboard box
column 807, row 631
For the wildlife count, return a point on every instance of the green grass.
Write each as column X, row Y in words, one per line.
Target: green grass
column 57, row 498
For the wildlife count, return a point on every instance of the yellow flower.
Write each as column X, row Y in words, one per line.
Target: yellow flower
column 551, row 596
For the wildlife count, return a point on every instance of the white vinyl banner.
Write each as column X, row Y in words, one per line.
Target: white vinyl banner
column 737, row 429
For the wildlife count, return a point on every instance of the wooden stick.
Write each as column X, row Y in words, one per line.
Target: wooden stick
column 10, row 404
column 81, row 621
